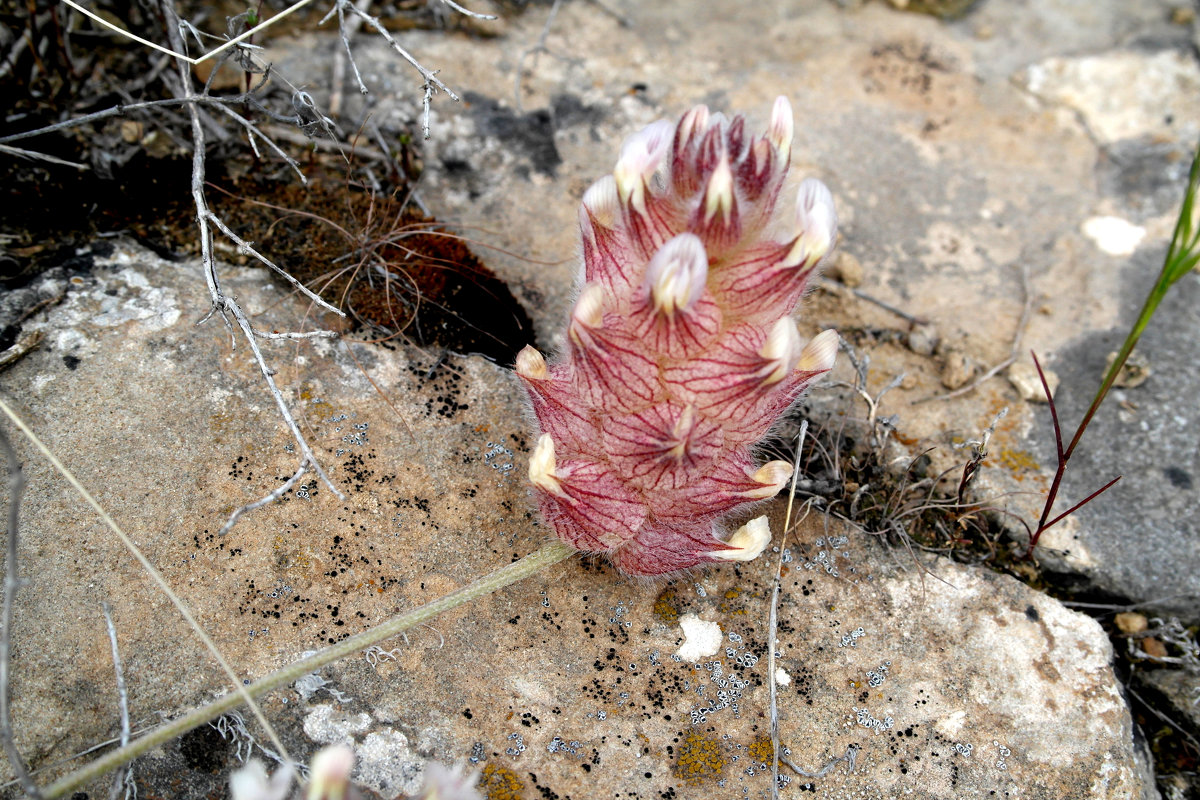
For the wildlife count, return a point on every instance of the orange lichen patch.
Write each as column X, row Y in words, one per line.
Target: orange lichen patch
column 761, row 750
column 500, row 783
column 665, row 608
column 320, row 408
column 1017, row 461
column 699, row 759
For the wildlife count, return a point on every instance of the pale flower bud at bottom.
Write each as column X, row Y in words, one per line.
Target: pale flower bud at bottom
column 588, row 312
column 252, row 783
column 543, row 466
column 782, row 349
column 677, row 273
column 748, row 541
column 330, row 773
column 531, row 365
column 601, row 201
column 772, row 475
column 820, row 353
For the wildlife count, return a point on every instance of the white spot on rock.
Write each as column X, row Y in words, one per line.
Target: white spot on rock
column 1123, row 95
column 781, row 677
column 387, row 764
column 1113, row 235
column 701, row 638
column 328, row 725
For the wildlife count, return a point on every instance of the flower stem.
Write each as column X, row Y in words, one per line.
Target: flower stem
column 531, row 564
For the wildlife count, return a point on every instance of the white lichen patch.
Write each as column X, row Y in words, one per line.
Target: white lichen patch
column 387, row 764
column 327, row 724
column 153, row 308
column 701, row 638
column 1113, row 235
column 781, row 677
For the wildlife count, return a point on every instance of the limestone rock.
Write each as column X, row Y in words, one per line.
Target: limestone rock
column 571, row 683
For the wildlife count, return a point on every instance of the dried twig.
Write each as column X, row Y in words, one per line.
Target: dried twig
column 123, row 700
column 849, row 757
column 36, row 156
column 538, row 47
column 773, row 617
column 834, row 286
column 12, row 582
column 432, row 84
column 181, row 53
column 531, row 564
column 468, row 13
column 239, row 689
column 226, row 305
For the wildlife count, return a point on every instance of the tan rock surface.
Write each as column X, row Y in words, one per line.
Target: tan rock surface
column 568, row 685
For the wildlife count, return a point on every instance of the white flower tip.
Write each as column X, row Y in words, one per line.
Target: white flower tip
column 693, row 122
column 641, row 155
column 543, row 466
column 820, row 353
column 781, row 349
column 681, row 433
column 773, row 476
column 602, row 202
column 531, row 365
column 449, row 783
column 782, row 127
column 816, row 217
column 251, row 782
column 816, row 223
column 718, row 195
column 748, row 541
column 677, row 274
column 330, row 772
column 588, row 313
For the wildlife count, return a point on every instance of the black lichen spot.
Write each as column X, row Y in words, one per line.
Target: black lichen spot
column 72, row 362
column 1032, row 613
column 531, row 133
column 1179, row 478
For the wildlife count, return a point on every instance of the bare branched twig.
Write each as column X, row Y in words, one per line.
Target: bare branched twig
column 432, row 84
column 12, row 582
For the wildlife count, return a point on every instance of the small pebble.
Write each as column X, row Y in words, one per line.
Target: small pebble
column 1153, row 647
column 1130, row 622
column 923, row 340
column 956, row 370
column 1134, row 372
column 1025, row 380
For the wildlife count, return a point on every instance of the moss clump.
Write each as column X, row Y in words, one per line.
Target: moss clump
column 699, row 759
column 500, row 783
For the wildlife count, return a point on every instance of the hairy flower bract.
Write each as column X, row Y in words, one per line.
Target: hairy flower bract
column 681, row 351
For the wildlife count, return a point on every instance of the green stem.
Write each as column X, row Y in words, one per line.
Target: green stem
column 1152, row 301
column 531, row 564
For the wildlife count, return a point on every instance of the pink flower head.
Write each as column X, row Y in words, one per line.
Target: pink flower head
column 681, row 351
